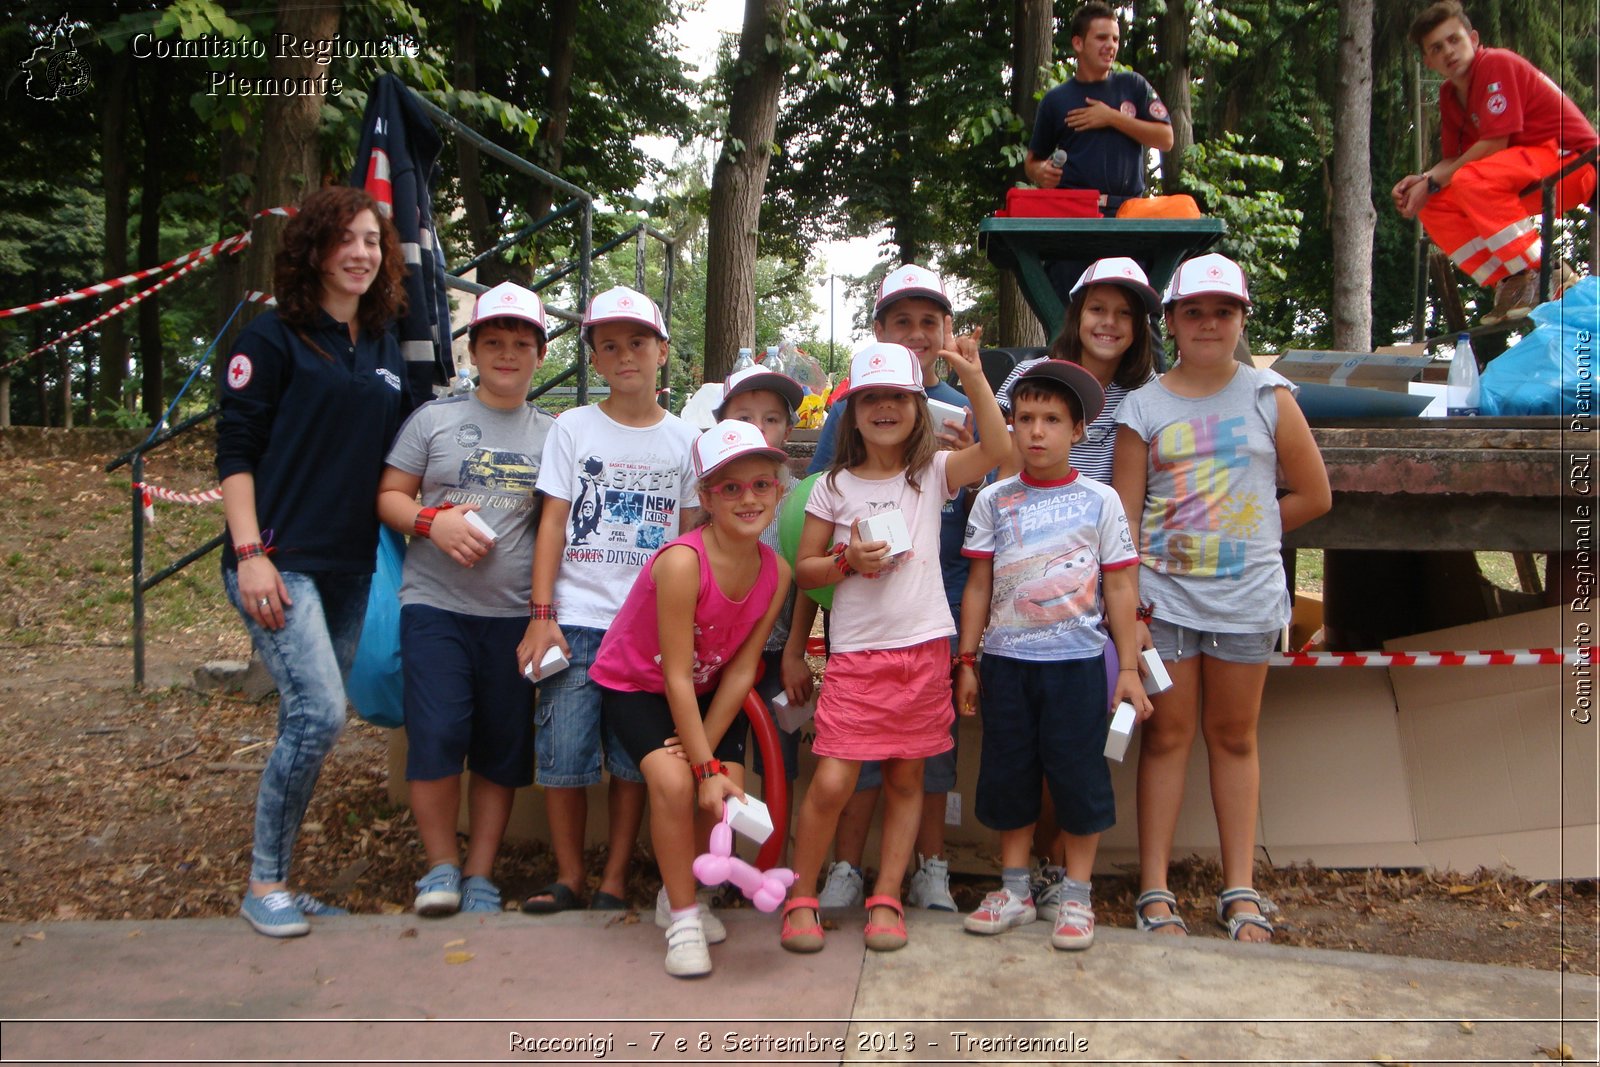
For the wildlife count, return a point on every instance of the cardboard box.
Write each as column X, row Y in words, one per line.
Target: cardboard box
column 1305, row 625
column 553, row 661
column 1156, row 678
column 482, row 527
column 1357, row 370
column 1353, row 384
column 749, row 817
column 940, row 412
column 789, row 716
column 888, row 526
column 1121, row 731
column 1500, row 774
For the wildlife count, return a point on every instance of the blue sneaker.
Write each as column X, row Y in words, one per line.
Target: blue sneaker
column 310, row 905
column 274, row 914
column 439, row 891
column 479, row 894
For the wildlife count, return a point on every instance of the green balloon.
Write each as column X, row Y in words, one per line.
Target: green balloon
column 790, row 521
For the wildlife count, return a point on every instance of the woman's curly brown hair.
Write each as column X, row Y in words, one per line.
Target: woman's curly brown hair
column 314, row 232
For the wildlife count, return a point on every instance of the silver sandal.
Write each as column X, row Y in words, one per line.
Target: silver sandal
column 1233, row 923
column 1157, row 896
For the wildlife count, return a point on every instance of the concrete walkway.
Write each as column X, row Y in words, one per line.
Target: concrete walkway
column 585, row 988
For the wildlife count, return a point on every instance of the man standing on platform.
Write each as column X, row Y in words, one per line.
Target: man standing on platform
column 1102, row 121
column 1504, row 125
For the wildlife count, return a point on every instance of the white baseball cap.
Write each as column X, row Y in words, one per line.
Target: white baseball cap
column 1119, row 270
column 753, row 378
column 508, row 300
column 910, row 280
column 882, row 365
column 1210, row 273
column 621, row 304
column 727, row 441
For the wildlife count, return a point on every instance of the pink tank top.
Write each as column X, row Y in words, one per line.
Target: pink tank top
column 629, row 658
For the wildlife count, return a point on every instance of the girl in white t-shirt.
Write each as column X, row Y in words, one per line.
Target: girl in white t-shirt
column 886, row 695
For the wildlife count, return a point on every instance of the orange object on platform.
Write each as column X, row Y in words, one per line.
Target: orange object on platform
column 1482, row 221
column 1177, row 206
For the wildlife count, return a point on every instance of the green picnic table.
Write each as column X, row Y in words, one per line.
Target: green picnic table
column 1025, row 245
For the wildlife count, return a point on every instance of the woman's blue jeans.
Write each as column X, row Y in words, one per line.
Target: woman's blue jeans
column 309, row 659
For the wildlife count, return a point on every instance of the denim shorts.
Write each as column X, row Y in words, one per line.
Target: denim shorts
column 569, row 732
column 465, row 699
column 1044, row 722
column 1176, row 642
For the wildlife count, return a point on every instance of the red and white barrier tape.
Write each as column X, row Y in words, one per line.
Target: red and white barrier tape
column 1515, row 657
column 1492, row 657
column 205, row 496
column 100, row 288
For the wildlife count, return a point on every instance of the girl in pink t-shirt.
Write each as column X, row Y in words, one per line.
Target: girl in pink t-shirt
column 887, row 691
column 674, row 668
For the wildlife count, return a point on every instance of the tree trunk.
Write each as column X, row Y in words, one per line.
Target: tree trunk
column 1033, row 27
column 113, row 371
column 1173, row 33
column 469, row 161
column 289, row 162
column 151, row 359
column 1354, row 216
column 737, row 183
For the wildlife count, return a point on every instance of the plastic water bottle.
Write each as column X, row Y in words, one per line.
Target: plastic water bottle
column 744, row 362
column 1461, row 390
column 462, row 384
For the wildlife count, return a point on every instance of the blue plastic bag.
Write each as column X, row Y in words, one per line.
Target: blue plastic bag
column 1545, row 372
column 376, row 686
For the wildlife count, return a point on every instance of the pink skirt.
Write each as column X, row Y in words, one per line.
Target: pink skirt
column 891, row 703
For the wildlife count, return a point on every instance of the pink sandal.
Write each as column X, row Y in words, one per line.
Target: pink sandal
column 886, row 938
column 802, row 939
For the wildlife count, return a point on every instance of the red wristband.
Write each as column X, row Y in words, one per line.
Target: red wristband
column 422, row 525
column 710, row 767
column 1144, row 612
column 840, row 562
column 249, row 550
column 542, row 611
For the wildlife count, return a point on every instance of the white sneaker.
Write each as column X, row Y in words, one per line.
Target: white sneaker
column 999, row 912
column 716, row 933
column 843, row 889
column 930, row 886
column 687, row 955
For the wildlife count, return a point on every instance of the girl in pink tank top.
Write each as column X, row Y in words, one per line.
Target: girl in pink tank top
column 676, row 664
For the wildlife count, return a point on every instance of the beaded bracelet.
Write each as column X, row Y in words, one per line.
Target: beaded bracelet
column 965, row 659
column 840, row 562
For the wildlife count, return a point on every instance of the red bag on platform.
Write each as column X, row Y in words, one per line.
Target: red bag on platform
column 1051, row 204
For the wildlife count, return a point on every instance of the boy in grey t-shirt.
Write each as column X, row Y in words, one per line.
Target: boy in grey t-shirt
column 464, row 597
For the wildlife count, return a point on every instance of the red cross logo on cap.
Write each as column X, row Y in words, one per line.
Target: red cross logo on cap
column 731, row 437
column 876, row 361
column 624, row 302
column 508, row 298
column 1214, row 272
column 1127, row 272
column 911, row 279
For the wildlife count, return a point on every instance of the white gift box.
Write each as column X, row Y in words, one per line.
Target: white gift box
column 888, row 526
column 553, row 661
column 749, row 817
column 1121, row 732
column 482, row 527
column 1156, row 679
column 790, row 717
column 940, row 412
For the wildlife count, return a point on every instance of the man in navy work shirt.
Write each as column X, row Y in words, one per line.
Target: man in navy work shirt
column 1104, row 120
